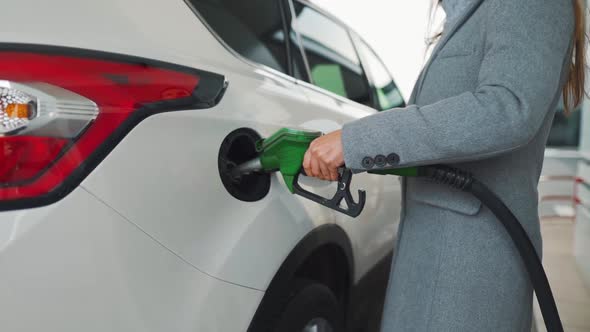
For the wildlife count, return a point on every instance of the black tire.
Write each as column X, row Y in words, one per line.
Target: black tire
column 309, row 301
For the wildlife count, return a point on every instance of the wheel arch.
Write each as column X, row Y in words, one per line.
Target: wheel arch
column 324, row 240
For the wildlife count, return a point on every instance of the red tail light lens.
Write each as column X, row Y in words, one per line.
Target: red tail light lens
column 63, row 110
column 25, row 157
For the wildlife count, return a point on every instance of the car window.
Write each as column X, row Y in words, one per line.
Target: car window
column 386, row 92
column 333, row 62
column 253, row 28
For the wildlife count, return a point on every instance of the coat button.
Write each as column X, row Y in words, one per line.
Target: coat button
column 393, row 159
column 368, row 162
column 380, row 160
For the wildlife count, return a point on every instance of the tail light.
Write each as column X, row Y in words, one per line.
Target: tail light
column 63, row 110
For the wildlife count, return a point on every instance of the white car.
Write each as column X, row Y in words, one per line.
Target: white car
column 119, row 120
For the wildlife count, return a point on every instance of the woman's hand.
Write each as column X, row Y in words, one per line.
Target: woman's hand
column 324, row 156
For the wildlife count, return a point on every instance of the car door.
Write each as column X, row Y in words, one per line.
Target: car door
column 339, row 92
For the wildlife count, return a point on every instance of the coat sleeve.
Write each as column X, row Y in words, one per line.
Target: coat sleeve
column 527, row 46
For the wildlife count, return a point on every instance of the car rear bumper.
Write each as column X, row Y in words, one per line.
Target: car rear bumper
column 77, row 265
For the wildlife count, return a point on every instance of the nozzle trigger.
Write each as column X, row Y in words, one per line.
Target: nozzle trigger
column 343, row 193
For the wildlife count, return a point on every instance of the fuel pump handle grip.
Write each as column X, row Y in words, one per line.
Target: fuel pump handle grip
column 352, row 208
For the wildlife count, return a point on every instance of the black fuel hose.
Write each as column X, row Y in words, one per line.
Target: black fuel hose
column 466, row 182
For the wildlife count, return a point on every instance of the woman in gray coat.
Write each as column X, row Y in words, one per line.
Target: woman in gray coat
column 484, row 103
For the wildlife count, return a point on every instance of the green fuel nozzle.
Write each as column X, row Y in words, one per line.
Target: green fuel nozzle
column 284, row 151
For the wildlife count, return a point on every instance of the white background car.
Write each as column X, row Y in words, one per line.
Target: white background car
column 117, row 214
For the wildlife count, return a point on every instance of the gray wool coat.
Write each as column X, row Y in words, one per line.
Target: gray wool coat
column 484, row 103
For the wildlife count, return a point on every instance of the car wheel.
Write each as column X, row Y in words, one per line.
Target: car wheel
column 311, row 307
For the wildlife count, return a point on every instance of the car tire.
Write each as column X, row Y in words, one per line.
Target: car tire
column 310, row 306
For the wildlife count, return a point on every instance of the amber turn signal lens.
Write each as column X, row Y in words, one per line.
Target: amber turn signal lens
column 20, row 111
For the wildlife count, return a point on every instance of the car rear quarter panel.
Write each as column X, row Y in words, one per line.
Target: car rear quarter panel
column 78, row 265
